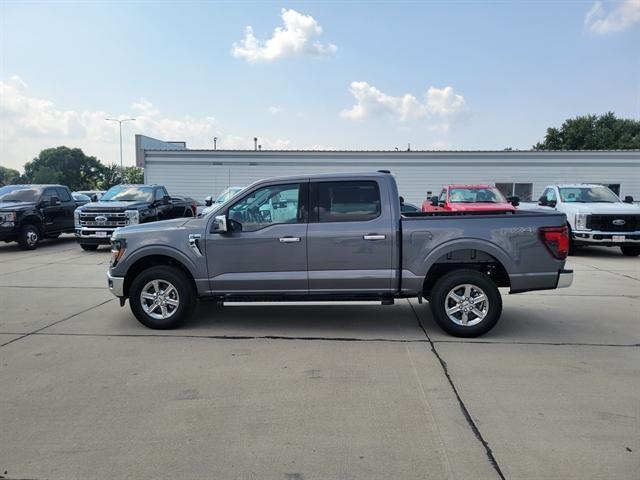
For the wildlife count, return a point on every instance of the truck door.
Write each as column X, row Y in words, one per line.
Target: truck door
column 52, row 215
column 163, row 210
column 265, row 247
column 351, row 237
column 68, row 207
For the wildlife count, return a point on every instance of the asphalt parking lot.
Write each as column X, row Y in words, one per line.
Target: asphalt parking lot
column 315, row 391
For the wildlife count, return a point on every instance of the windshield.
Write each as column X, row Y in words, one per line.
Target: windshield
column 228, row 193
column 476, row 195
column 123, row 193
column 588, row 195
column 19, row 193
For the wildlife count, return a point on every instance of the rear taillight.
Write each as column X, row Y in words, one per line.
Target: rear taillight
column 556, row 239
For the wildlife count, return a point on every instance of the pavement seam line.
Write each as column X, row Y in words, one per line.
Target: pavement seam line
column 615, row 273
column 35, row 332
column 428, row 411
column 465, row 411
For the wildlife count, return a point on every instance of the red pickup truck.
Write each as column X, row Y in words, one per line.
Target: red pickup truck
column 470, row 198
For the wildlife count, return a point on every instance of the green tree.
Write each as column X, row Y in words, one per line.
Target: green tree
column 593, row 132
column 113, row 176
column 68, row 166
column 8, row 176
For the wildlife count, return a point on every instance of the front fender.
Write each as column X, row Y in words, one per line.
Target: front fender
column 164, row 250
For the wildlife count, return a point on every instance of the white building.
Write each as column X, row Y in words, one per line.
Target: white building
column 198, row 173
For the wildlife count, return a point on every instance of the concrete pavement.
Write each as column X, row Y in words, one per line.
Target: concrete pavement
column 315, row 391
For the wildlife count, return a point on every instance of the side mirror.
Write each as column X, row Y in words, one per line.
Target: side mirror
column 434, row 201
column 628, row 199
column 542, row 201
column 166, row 200
column 54, row 202
column 94, row 198
column 515, row 201
column 552, row 203
column 220, row 224
column 208, row 201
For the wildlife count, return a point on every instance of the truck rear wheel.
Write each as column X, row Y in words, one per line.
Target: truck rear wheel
column 630, row 251
column 29, row 237
column 466, row 303
column 162, row 297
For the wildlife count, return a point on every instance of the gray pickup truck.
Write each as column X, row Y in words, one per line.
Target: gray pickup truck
column 337, row 237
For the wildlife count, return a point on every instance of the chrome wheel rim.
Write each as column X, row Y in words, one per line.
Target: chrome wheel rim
column 159, row 299
column 466, row 305
column 32, row 238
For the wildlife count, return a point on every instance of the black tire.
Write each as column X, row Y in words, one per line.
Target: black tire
column 186, row 297
column 29, row 237
column 478, row 282
column 88, row 247
column 573, row 248
column 630, row 251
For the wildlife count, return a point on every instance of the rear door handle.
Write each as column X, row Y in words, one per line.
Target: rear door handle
column 289, row 239
column 374, row 237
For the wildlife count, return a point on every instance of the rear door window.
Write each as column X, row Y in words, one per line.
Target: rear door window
column 355, row 201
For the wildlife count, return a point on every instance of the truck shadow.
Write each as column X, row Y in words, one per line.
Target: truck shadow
column 394, row 322
column 64, row 241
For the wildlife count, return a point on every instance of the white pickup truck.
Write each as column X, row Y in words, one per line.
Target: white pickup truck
column 596, row 216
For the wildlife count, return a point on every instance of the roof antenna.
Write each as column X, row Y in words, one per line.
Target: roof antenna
column 255, row 143
column 215, row 141
column 408, row 147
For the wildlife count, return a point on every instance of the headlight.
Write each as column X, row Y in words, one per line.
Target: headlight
column 581, row 221
column 7, row 217
column 133, row 216
column 76, row 217
column 118, row 246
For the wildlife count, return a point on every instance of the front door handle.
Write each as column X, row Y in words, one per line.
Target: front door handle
column 374, row 237
column 289, row 239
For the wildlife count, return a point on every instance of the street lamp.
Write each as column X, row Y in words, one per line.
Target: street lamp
column 120, row 122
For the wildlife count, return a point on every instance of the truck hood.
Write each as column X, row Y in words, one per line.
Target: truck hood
column 16, row 205
column 601, row 208
column 113, row 206
column 145, row 228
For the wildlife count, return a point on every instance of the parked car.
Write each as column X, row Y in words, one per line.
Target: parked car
column 29, row 213
column 124, row 205
column 337, row 236
column 469, row 198
column 191, row 202
column 407, row 207
column 596, row 216
column 94, row 195
column 80, row 198
column 227, row 193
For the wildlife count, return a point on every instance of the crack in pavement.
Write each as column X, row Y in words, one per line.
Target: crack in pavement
column 615, row 273
column 56, row 322
column 465, row 411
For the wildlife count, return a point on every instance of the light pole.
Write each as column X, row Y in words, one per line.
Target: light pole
column 120, row 122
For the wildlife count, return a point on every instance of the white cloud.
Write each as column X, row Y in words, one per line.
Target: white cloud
column 620, row 16
column 29, row 124
column 276, row 109
column 370, row 101
column 296, row 38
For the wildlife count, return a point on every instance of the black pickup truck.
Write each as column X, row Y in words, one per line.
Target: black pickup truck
column 124, row 205
column 29, row 213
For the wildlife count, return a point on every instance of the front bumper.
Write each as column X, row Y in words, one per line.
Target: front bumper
column 597, row 237
column 94, row 236
column 116, row 285
column 565, row 278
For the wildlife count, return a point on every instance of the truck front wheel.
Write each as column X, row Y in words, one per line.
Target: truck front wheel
column 162, row 297
column 29, row 237
column 466, row 303
column 630, row 251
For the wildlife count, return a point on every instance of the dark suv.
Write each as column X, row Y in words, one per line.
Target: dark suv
column 29, row 213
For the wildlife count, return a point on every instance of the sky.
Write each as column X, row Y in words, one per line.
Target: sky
column 371, row 75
